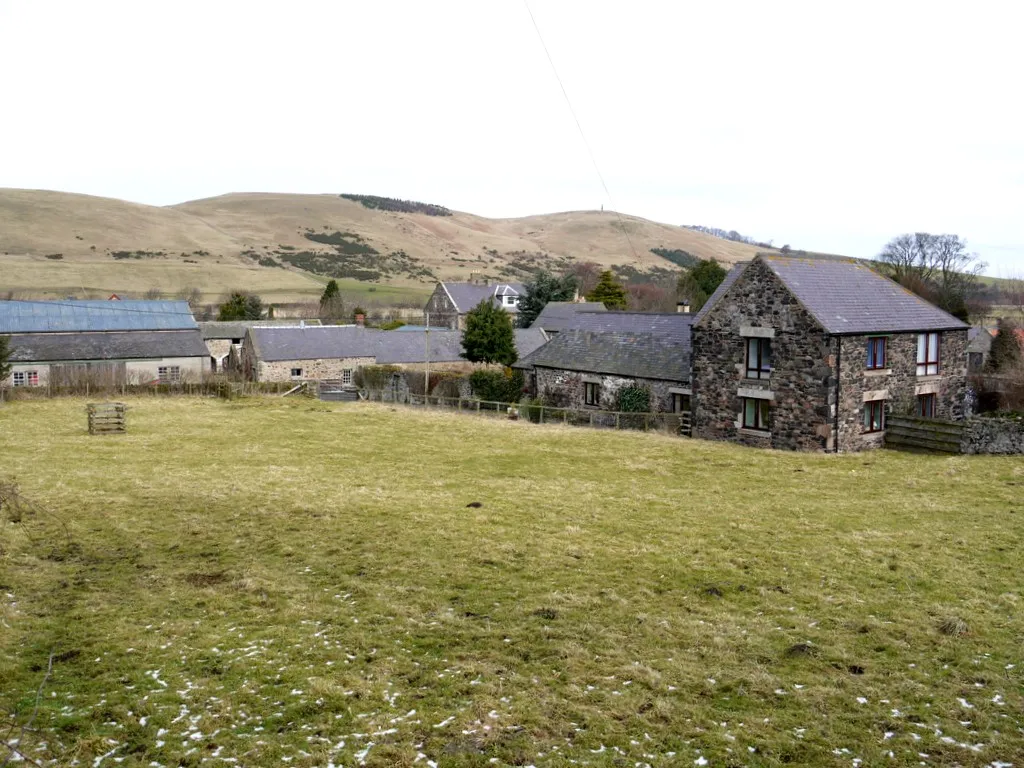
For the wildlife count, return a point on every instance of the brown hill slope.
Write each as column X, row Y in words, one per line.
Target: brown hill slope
column 284, row 246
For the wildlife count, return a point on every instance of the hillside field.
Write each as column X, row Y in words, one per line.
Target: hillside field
column 267, row 582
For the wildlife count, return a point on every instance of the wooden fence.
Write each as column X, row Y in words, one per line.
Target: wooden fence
column 106, row 418
column 676, row 423
column 923, row 434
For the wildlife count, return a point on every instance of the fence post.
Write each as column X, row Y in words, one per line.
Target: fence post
column 591, row 418
column 617, row 419
column 647, row 422
column 565, row 416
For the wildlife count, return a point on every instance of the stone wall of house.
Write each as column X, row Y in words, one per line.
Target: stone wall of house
column 219, row 350
column 442, row 312
column 801, row 386
column 1004, row 437
column 898, row 383
column 312, row 370
column 567, row 389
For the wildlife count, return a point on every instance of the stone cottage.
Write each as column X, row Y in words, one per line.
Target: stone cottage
column 588, row 369
column 814, row 354
column 223, row 336
column 449, row 304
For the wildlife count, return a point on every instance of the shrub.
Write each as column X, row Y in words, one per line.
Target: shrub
column 375, row 377
column 505, row 386
column 391, row 325
column 634, row 399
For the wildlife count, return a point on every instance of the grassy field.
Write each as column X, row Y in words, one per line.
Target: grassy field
column 273, row 582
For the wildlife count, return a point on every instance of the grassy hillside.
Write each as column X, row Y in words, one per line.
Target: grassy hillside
column 271, row 581
column 286, row 246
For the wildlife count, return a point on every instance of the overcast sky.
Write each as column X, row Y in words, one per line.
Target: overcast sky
column 828, row 126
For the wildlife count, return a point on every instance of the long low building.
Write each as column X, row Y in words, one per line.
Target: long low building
column 333, row 352
column 66, row 343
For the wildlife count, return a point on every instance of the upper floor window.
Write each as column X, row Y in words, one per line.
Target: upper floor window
column 876, row 353
column 511, row 301
column 759, row 358
column 927, row 354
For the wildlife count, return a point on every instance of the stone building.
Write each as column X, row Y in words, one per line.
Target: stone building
column 221, row 336
column 587, row 369
column 449, row 304
column 103, row 343
column 813, row 354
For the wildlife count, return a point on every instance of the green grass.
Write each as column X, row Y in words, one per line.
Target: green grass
column 282, row 581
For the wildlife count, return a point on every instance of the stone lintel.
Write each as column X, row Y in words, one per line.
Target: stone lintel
column 757, row 332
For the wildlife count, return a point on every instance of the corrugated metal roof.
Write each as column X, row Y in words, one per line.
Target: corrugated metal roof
column 82, row 347
column 94, row 316
column 645, row 355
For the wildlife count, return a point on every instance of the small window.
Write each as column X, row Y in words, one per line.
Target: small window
column 346, row 376
column 592, row 393
column 680, row 403
column 755, row 413
column 927, row 354
column 168, row 374
column 874, row 416
column 876, row 353
column 510, row 301
column 236, row 341
column 926, row 406
column 759, row 358
column 296, row 373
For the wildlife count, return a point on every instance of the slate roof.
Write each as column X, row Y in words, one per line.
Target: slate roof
column 235, row 329
column 80, row 347
column 559, row 315
column 95, row 316
column 642, row 355
column 388, row 347
column 725, row 285
column 468, row 295
column 673, row 323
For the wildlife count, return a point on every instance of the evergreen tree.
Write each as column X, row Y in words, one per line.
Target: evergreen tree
column 241, row 306
column 608, row 292
column 543, row 288
column 332, row 307
column 1004, row 355
column 488, row 337
column 699, row 282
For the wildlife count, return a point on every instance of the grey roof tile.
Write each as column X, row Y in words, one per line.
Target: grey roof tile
column 671, row 323
column 235, row 329
column 644, row 355
column 559, row 315
column 132, row 345
column 468, row 295
column 83, row 316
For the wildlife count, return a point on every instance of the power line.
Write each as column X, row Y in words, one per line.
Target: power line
column 579, row 126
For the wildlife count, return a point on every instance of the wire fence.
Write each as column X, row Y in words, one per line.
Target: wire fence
column 674, row 423
column 212, row 387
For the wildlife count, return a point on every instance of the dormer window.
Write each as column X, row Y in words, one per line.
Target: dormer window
column 511, row 301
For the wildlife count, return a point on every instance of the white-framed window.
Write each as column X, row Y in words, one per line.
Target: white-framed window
column 511, row 301
column 928, row 354
column 591, row 393
column 26, row 378
column 346, row 376
column 296, row 373
column 168, row 374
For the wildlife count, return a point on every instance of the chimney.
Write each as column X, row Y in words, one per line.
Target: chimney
column 683, row 306
column 360, row 320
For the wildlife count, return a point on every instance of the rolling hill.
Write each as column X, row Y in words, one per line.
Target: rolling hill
column 285, row 246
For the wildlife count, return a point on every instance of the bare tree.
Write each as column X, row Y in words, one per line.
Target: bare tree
column 587, row 273
column 152, row 294
column 192, row 295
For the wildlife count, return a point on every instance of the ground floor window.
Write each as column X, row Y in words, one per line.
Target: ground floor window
column 874, row 416
column 592, row 393
column 346, row 376
column 168, row 374
column 680, row 402
column 926, row 406
column 296, row 373
column 26, row 378
column 755, row 413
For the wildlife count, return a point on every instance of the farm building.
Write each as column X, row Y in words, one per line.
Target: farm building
column 449, row 304
column 560, row 316
column 221, row 335
column 64, row 343
column 589, row 369
column 813, row 354
column 335, row 352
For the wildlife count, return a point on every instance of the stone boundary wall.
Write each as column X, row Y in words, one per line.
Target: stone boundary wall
column 1003, row 437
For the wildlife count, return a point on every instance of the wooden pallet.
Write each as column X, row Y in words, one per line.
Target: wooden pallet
column 107, row 418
